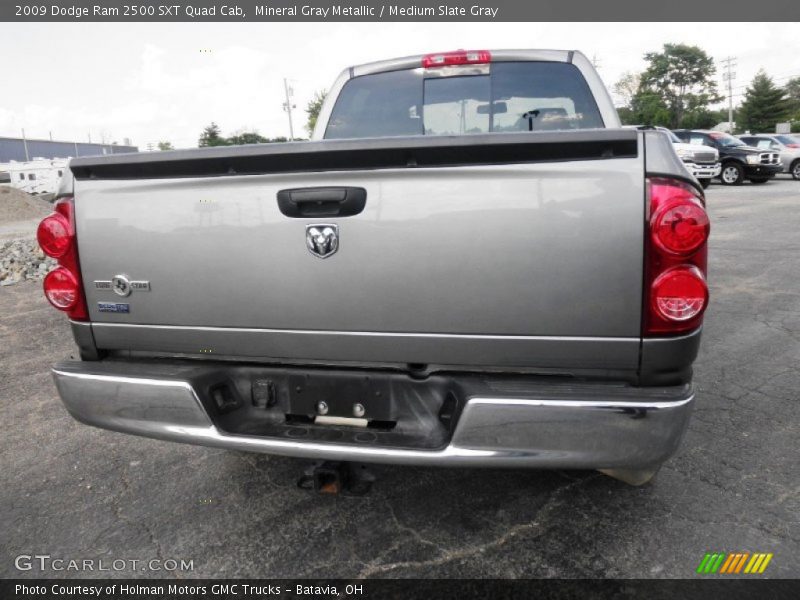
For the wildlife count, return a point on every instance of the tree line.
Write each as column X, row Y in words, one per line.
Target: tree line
column 212, row 136
column 678, row 89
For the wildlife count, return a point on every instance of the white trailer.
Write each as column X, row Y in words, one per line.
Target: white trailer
column 37, row 176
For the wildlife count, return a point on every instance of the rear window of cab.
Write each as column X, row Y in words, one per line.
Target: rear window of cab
column 510, row 97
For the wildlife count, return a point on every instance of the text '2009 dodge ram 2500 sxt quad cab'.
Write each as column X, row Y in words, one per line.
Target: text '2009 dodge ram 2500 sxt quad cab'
column 471, row 264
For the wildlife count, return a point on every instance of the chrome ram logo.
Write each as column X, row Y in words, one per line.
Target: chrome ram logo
column 322, row 240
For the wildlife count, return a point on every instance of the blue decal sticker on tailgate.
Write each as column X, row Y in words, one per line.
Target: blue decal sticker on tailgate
column 115, row 307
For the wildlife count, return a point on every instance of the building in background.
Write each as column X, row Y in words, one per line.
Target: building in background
column 36, row 166
column 22, row 149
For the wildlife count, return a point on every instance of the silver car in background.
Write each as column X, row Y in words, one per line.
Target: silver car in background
column 787, row 145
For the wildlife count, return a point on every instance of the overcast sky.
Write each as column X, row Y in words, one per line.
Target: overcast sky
column 152, row 82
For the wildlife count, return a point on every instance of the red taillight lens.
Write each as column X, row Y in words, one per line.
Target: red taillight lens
column 680, row 225
column 61, row 288
column 459, row 57
column 679, row 294
column 54, row 235
column 676, row 253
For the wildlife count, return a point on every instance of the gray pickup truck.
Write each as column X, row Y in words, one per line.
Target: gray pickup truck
column 471, row 264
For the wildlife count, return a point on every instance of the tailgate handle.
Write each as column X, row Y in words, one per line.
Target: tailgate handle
column 322, row 201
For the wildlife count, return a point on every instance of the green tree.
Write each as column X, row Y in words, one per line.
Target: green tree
column 626, row 115
column 764, row 105
column 211, row 137
column 246, row 137
column 703, row 119
column 682, row 78
column 793, row 92
column 649, row 108
column 252, row 137
column 165, row 146
column 312, row 109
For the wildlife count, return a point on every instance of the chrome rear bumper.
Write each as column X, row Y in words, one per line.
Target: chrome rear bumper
column 596, row 426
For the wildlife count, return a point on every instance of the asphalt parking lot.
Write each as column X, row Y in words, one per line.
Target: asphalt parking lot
column 74, row 492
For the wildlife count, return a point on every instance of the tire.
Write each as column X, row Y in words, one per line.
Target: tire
column 795, row 169
column 759, row 180
column 705, row 183
column 732, row 174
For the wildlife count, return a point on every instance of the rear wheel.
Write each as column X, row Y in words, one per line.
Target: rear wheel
column 795, row 169
column 732, row 174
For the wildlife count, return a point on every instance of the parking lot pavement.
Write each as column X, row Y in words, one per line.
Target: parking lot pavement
column 74, row 492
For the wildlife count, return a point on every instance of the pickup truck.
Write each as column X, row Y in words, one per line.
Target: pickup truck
column 787, row 146
column 470, row 264
column 701, row 161
column 739, row 161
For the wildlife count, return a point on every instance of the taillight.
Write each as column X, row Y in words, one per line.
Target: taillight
column 61, row 288
column 56, row 237
column 793, row 145
column 679, row 293
column 676, row 253
column 458, row 57
column 680, row 226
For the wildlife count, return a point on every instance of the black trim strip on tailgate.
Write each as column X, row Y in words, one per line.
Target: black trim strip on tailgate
column 363, row 154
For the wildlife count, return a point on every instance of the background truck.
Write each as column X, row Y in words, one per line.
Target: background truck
column 701, row 161
column 471, row 264
column 786, row 145
column 739, row 161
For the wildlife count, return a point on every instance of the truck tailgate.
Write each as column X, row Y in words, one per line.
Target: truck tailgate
column 512, row 263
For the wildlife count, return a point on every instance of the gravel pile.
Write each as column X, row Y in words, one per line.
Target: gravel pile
column 21, row 260
column 16, row 205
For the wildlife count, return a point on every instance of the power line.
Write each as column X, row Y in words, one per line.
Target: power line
column 744, row 86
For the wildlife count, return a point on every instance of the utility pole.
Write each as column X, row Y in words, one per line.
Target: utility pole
column 25, row 143
column 595, row 61
column 729, row 75
column 288, row 106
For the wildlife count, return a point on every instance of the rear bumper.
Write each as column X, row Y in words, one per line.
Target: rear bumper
column 501, row 422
